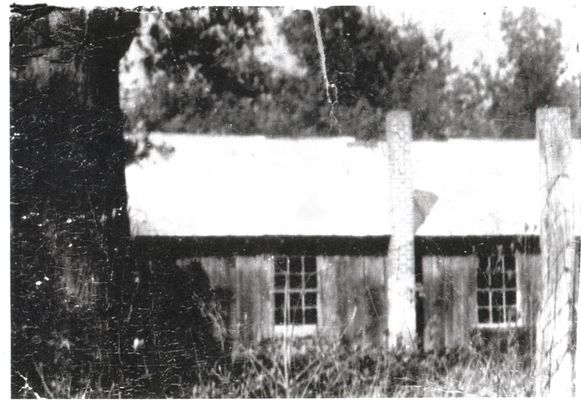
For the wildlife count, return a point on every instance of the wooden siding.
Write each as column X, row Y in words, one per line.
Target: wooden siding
column 353, row 297
column 528, row 269
column 450, row 299
column 244, row 286
column 328, row 313
column 254, row 297
column 449, row 284
column 221, row 272
column 217, row 269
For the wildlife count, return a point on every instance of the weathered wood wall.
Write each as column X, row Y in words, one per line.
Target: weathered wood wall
column 254, row 297
column 352, row 297
column 450, row 309
column 528, row 289
column 351, row 305
column 450, row 299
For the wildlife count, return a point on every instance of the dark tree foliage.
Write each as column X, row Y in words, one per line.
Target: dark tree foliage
column 528, row 73
column 210, row 43
column 212, row 80
column 200, row 62
column 69, row 225
column 82, row 315
column 204, row 76
column 376, row 66
column 469, row 99
column 352, row 58
column 501, row 102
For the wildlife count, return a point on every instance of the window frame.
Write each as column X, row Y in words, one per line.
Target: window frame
column 292, row 328
column 500, row 252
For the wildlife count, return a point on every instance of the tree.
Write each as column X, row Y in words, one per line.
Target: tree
column 469, row 103
column 69, row 225
column 375, row 65
column 528, row 74
column 219, row 84
column 82, row 310
column 199, row 62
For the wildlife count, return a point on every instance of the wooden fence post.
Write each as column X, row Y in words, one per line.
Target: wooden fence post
column 400, row 274
column 555, row 329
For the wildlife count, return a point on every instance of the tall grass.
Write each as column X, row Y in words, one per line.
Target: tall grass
column 319, row 368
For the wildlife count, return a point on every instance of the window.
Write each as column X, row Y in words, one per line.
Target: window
column 295, row 290
column 496, row 289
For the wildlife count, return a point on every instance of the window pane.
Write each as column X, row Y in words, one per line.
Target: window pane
column 483, row 263
column 311, row 316
column 296, row 281
column 497, row 272
column 299, row 274
column 310, row 299
column 497, row 280
column 311, row 281
column 496, row 264
column 483, row 315
column 279, row 300
column 482, row 278
column 310, row 264
column 278, row 316
column 483, row 298
column 497, row 299
column 497, row 314
column 295, row 265
column 510, row 279
column 510, row 297
column 295, row 300
column 279, row 281
column 296, row 316
column 280, row 265
column 509, row 263
column 511, row 314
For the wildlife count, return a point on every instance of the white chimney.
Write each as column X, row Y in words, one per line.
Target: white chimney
column 400, row 286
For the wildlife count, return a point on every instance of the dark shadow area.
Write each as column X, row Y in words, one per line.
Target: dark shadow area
column 188, row 325
column 247, row 246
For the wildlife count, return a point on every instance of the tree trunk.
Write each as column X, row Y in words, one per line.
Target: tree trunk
column 69, row 226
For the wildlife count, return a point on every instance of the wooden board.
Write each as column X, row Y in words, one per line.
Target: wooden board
column 253, row 295
column 328, row 312
column 450, row 300
column 528, row 272
column 555, row 338
column 450, row 297
column 217, row 270
column 352, row 297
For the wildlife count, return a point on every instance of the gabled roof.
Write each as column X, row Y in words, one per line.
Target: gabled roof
column 254, row 186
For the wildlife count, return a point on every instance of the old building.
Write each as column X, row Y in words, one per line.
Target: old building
column 294, row 233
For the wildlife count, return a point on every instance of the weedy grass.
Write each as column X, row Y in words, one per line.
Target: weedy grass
column 318, row 368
